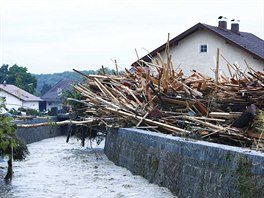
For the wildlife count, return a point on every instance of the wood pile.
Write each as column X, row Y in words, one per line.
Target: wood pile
column 196, row 106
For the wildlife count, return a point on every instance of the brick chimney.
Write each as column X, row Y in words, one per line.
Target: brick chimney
column 235, row 28
column 222, row 25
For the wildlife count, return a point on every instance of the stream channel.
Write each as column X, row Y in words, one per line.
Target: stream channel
column 56, row 169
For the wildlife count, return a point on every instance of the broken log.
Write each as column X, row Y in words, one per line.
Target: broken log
column 89, row 121
column 175, row 129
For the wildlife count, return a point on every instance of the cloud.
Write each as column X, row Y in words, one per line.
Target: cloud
column 57, row 35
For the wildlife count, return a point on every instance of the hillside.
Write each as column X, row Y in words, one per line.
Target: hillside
column 52, row 79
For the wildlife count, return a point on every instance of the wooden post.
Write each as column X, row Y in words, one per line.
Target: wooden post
column 69, row 134
column 116, row 67
column 9, row 174
column 217, row 66
column 103, row 70
column 83, row 135
column 138, row 59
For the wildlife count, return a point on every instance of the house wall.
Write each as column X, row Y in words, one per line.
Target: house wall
column 187, row 54
column 11, row 101
column 14, row 102
column 31, row 105
column 51, row 104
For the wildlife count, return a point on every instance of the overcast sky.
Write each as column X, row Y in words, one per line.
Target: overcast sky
column 49, row 36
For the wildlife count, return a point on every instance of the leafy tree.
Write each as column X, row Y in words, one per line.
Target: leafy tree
column 18, row 76
column 73, row 101
column 3, row 73
column 10, row 145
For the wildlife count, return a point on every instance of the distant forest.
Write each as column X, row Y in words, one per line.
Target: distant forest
column 39, row 84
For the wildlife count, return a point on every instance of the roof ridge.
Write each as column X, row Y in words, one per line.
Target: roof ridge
column 19, row 92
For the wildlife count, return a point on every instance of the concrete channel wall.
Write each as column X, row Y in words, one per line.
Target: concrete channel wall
column 189, row 168
column 30, row 135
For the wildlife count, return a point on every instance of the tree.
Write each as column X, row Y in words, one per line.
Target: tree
column 3, row 73
column 10, row 145
column 71, row 100
column 19, row 77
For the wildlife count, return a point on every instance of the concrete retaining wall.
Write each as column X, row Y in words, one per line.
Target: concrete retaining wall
column 30, row 135
column 188, row 168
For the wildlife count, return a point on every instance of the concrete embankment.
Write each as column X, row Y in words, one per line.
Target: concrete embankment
column 188, row 168
column 30, row 135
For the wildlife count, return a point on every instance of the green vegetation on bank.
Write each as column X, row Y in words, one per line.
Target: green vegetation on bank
column 10, row 145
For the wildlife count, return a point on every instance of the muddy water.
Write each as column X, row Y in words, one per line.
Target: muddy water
column 60, row 170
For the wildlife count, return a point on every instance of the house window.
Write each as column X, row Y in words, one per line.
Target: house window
column 49, row 103
column 203, row 48
column 59, row 91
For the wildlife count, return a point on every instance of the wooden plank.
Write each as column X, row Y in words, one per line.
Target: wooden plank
column 217, row 66
column 88, row 121
column 225, row 115
column 175, row 129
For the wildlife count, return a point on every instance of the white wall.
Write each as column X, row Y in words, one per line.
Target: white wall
column 187, row 54
column 11, row 101
column 51, row 104
column 31, row 105
column 14, row 102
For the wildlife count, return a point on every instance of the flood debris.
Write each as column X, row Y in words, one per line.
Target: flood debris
column 158, row 98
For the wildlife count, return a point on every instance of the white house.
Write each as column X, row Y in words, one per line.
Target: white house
column 15, row 97
column 196, row 49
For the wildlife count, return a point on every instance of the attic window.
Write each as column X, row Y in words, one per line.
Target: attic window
column 203, row 48
column 59, row 91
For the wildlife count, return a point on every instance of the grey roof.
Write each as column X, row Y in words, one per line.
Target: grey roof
column 19, row 93
column 246, row 41
column 54, row 93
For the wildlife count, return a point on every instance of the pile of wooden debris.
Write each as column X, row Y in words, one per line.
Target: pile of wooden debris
column 197, row 106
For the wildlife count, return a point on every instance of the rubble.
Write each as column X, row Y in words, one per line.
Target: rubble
column 221, row 110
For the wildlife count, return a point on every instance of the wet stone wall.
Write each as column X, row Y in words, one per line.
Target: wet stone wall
column 30, row 135
column 188, row 168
